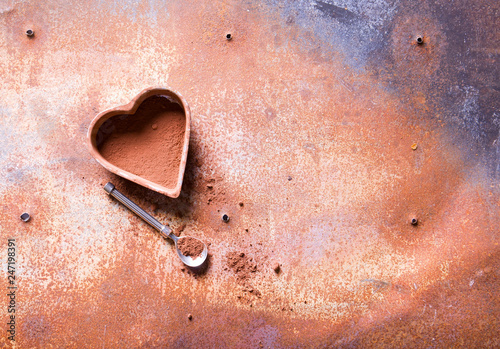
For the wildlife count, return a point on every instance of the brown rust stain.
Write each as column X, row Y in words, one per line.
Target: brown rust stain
column 319, row 153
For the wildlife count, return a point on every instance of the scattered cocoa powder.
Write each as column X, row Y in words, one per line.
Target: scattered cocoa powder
column 148, row 143
column 214, row 192
column 276, row 267
column 190, row 247
column 241, row 265
column 181, row 227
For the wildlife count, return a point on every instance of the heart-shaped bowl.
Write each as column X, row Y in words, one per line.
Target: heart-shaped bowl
column 145, row 141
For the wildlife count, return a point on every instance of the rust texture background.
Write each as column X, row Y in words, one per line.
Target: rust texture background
column 302, row 132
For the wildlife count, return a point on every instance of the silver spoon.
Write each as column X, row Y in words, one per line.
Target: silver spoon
column 164, row 230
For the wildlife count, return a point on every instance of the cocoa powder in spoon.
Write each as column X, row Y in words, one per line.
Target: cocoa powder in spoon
column 190, row 247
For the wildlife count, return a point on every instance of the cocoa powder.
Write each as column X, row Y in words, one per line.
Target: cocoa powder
column 148, row 143
column 276, row 267
column 241, row 265
column 190, row 247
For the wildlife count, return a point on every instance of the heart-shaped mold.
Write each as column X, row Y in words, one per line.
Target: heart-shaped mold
column 145, row 141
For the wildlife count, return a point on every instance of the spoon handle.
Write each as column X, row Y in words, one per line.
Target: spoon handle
column 163, row 229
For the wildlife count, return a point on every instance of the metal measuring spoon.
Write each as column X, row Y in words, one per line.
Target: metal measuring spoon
column 164, row 230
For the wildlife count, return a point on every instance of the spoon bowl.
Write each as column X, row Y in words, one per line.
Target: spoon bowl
column 191, row 261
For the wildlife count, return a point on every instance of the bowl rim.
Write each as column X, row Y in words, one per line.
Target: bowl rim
column 129, row 109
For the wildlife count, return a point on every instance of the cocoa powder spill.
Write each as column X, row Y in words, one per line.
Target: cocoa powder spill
column 148, row 143
column 190, row 247
column 276, row 267
column 241, row 265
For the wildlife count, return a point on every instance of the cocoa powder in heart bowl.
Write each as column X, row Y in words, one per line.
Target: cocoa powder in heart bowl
column 148, row 143
column 190, row 247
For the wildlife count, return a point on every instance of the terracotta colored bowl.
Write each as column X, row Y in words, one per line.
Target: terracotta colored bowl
column 130, row 109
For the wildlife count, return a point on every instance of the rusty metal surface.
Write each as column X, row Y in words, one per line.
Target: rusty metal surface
column 302, row 132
